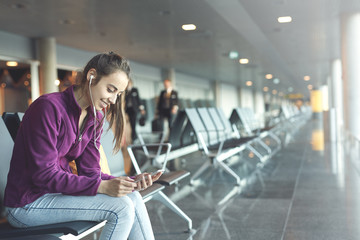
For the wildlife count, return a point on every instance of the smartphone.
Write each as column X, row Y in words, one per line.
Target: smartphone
column 156, row 172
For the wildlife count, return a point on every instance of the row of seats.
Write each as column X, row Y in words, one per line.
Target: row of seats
column 209, row 131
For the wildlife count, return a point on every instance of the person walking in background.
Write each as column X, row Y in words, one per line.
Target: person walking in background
column 168, row 103
column 133, row 106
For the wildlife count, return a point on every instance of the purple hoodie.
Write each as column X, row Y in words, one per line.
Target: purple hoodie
column 48, row 139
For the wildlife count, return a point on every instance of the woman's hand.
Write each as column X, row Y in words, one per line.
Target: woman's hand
column 157, row 176
column 117, row 187
column 145, row 180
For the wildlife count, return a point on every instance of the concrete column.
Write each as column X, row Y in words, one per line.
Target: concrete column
column 336, row 98
column 259, row 105
column 172, row 76
column 169, row 74
column 35, row 87
column 350, row 43
column 47, row 58
column 239, row 96
column 247, row 99
column 217, row 93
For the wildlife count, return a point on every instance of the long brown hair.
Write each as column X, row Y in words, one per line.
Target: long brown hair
column 106, row 64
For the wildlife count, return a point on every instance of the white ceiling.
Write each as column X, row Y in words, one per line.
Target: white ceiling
column 149, row 31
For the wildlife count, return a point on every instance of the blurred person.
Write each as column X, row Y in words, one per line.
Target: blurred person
column 133, row 107
column 167, row 106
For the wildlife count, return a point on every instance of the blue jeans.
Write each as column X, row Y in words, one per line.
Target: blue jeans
column 127, row 217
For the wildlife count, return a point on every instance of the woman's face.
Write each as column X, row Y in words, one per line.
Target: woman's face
column 107, row 90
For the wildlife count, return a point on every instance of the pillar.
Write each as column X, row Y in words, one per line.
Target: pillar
column 47, row 57
column 259, row 105
column 35, row 87
column 217, row 93
column 336, row 98
column 350, row 53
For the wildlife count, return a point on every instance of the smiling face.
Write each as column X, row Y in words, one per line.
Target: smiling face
column 108, row 89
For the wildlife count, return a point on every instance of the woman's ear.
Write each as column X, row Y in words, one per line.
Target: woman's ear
column 91, row 74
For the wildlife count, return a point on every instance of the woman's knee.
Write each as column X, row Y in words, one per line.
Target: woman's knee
column 136, row 198
column 121, row 209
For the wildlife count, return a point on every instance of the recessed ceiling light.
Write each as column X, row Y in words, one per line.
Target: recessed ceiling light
column 268, row 76
column 244, row 61
column 12, row 64
column 249, row 83
column 266, row 89
column 285, row 19
column 310, row 86
column 306, row 78
column 274, row 91
column 276, row 81
column 188, row 27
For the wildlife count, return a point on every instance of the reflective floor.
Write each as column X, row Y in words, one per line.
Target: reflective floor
column 309, row 190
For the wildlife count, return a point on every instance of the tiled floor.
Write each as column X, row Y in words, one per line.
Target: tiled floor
column 306, row 194
column 309, row 190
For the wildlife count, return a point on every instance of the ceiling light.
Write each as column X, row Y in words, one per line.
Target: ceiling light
column 57, row 82
column 188, row 27
column 249, row 83
column 266, row 89
column 233, row 55
column 274, row 92
column 11, row 64
column 285, row 19
column 268, row 76
column 276, row 81
column 306, row 78
column 310, row 86
column 244, row 61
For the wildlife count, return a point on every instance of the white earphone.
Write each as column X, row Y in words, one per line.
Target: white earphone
column 94, row 111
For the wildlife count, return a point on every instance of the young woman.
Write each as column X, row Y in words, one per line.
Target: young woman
column 60, row 127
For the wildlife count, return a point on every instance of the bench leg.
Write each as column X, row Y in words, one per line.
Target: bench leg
column 200, row 171
column 230, row 171
column 161, row 197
